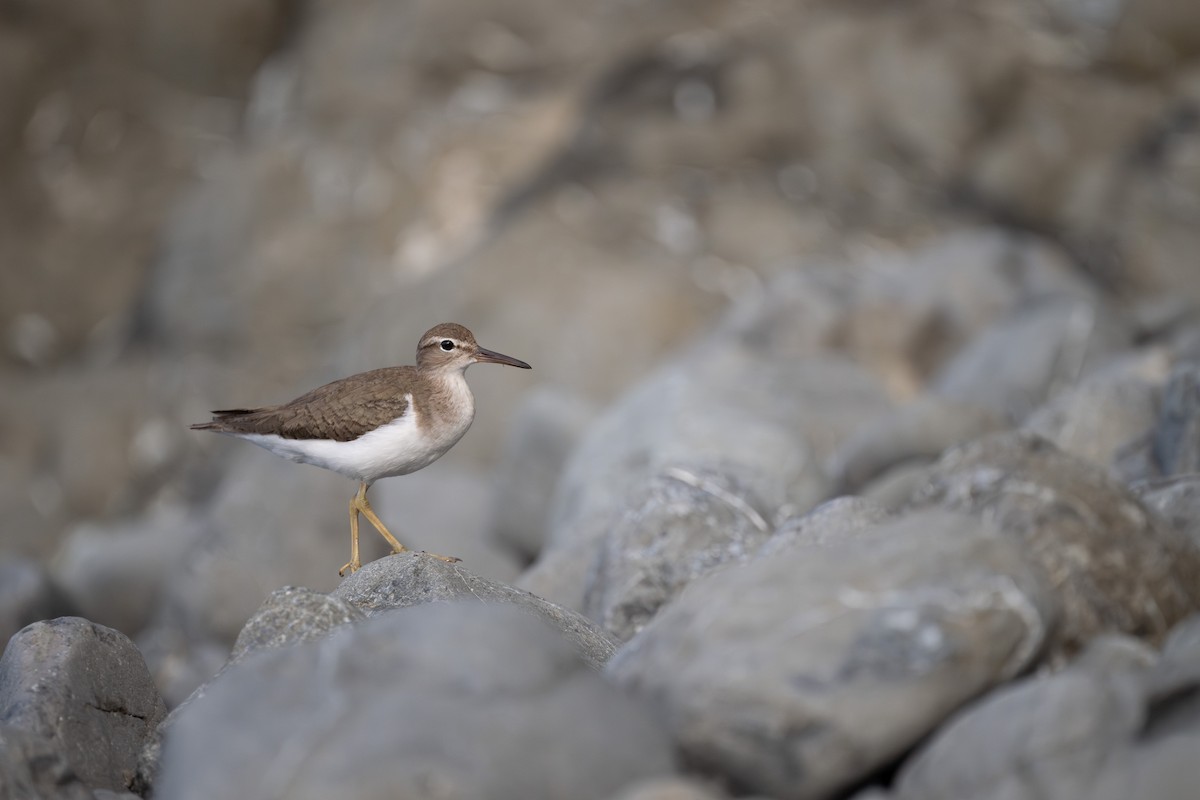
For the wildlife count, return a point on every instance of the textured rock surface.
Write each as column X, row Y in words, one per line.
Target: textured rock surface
column 85, row 688
column 681, row 525
column 290, row 616
column 409, row 580
column 836, row 522
column 1111, row 726
column 766, row 671
column 461, row 699
column 32, row 766
column 1116, row 567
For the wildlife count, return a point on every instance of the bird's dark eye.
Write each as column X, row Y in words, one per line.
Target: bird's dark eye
column 447, row 344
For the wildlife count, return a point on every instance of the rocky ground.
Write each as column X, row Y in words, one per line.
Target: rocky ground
column 860, row 458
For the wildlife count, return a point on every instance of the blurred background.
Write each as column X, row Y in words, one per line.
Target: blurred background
column 226, row 203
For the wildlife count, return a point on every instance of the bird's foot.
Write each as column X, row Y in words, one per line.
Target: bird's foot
column 351, row 568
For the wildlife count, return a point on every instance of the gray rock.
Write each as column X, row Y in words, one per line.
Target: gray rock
column 1118, row 724
column 1115, row 566
column 670, row 789
column 1176, row 442
column 728, row 407
column 1176, row 500
column 290, row 616
column 765, row 671
column 894, row 489
column 405, row 580
column 443, row 700
column 542, row 433
column 27, row 594
column 918, row 432
column 681, row 525
column 86, row 688
column 33, row 768
column 834, row 522
column 1107, row 410
column 1026, row 359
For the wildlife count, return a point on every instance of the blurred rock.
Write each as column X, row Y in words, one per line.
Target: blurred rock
column 481, row 702
column 765, row 671
column 670, row 789
column 541, row 435
column 27, row 594
column 33, row 766
column 1176, row 500
column 117, row 574
column 290, row 616
column 894, row 488
column 1107, row 410
column 180, row 658
column 835, row 522
column 84, row 687
column 1115, row 567
column 1176, row 439
column 1027, row 358
column 1104, row 728
column 916, row 432
column 407, row 580
column 679, row 526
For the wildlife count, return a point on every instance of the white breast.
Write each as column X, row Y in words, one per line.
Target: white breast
column 397, row 448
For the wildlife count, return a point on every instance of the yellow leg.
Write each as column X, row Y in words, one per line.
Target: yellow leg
column 355, row 564
column 362, row 504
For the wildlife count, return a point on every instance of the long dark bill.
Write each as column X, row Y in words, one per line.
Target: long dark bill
column 491, row 357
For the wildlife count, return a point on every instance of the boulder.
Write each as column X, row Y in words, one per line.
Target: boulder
column 32, row 766
column 834, row 522
column 454, row 699
column 1115, row 566
column 85, row 688
column 765, row 672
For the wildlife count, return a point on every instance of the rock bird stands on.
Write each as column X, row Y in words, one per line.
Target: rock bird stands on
column 376, row 424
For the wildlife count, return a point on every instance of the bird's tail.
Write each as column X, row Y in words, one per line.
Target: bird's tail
column 219, row 417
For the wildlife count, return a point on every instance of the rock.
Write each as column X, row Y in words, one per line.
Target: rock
column 290, row 616
column 545, row 428
column 1116, row 724
column 401, row 581
column 894, row 488
column 32, row 766
column 765, row 671
column 719, row 409
column 1176, row 440
column 1107, row 410
column 86, row 688
column 834, row 522
column 1025, row 359
column 670, row 789
column 116, row 574
column 27, row 594
column 1176, row 500
column 1116, row 568
column 917, row 432
column 448, row 699
column 680, row 526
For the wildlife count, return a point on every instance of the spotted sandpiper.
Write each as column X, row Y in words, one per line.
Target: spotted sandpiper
column 376, row 424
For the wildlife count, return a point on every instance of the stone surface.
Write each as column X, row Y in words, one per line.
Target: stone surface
column 835, row 522
column 86, row 688
column 1176, row 441
column 1113, row 725
column 32, row 766
column 401, row 581
column 1115, row 566
column 1176, row 500
column 765, row 671
column 917, row 432
column 1027, row 358
column 679, row 526
column 545, row 427
column 670, row 789
column 290, row 616
column 27, row 594
column 1106, row 411
column 460, row 699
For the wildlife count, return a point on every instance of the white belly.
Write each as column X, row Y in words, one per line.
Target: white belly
column 398, row 448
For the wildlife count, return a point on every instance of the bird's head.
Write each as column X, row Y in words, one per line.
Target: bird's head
column 452, row 347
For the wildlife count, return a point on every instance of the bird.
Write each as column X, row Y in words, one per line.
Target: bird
column 377, row 424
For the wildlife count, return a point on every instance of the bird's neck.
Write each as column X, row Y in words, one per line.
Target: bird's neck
column 450, row 396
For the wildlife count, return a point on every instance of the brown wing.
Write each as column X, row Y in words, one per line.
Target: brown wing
column 342, row 410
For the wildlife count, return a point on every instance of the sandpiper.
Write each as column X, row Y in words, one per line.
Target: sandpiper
column 376, row 424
